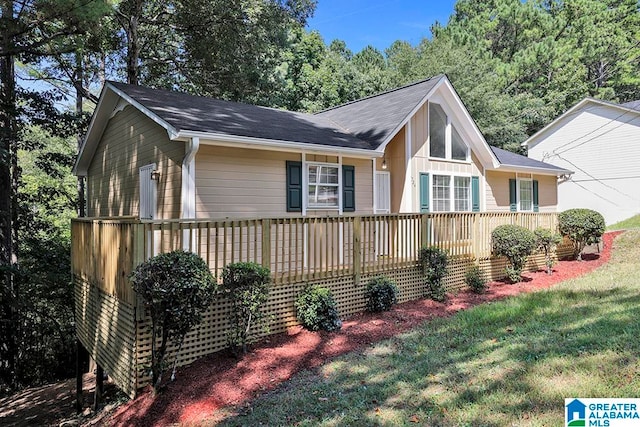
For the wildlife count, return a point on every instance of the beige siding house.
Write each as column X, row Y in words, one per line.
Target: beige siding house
column 157, row 154
column 599, row 141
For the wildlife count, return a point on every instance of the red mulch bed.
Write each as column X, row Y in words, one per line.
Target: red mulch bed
column 219, row 380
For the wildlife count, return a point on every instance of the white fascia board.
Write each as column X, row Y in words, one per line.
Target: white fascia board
column 153, row 116
column 533, row 140
column 101, row 116
column 224, row 140
column 419, row 105
column 532, row 169
column 479, row 137
column 79, row 169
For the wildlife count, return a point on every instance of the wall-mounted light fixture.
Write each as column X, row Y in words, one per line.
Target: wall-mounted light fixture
column 155, row 175
column 384, row 163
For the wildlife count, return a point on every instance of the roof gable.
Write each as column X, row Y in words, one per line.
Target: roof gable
column 378, row 118
column 583, row 105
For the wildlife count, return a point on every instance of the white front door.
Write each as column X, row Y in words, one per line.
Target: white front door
column 383, row 206
column 383, row 193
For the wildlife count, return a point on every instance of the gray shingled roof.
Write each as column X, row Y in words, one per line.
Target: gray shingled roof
column 509, row 158
column 634, row 105
column 195, row 113
column 375, row 118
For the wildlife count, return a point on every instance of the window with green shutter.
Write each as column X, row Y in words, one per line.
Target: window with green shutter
column 294, row 186
column 475, row 194
column 424, row 192
column 348, row 188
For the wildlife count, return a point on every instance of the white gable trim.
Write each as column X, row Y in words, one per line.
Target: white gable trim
column 111, row 101
column 537, row 137
column 478, row 144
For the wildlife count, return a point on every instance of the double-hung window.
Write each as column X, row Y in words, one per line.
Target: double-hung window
column 315, row 185
column 462, row 193
column 451, row 193
column 445, row 141
column 523, row 195
column 323, row 186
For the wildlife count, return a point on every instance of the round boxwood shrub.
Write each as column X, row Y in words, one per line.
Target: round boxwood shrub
column 515, row 243
column 176, row 288
column 582, row 227
column 316, row 309
column 381, row 294
column 475, row 279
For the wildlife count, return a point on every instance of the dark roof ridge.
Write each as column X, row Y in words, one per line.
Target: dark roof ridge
column 439, row 76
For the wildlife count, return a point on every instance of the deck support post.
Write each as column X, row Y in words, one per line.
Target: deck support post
column 80, row 352
column 97, row 397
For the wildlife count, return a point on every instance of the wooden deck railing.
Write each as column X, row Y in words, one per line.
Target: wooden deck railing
column 295, row 249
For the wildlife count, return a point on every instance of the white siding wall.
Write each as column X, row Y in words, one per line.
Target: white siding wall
column 602, row 146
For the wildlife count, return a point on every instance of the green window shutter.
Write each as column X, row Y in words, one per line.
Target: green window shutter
column 475, row 194
column 424, row 192
column 348, row 188
column 294, row 186
column 536, row 206
column 513, row 203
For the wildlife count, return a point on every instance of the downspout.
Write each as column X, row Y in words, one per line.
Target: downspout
column 188, row 194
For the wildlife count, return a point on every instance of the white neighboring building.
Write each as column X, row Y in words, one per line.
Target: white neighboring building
column 600, row 142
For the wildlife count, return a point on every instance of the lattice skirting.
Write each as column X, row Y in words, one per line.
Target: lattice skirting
column 210, row 336
column 106, row 327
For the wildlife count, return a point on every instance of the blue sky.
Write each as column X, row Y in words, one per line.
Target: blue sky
column 378, row 22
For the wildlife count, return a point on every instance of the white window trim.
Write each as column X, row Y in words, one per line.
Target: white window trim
column 339, row 186
column 448, row 138
column 452, row 202
column 518, row 199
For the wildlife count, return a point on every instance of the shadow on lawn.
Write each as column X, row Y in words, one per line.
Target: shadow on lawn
column 438, row 359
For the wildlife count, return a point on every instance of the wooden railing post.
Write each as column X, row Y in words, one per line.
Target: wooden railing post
column 139, row 256
column 266, row 243
column 424, row 225
column 357, row 249
column 475, row 238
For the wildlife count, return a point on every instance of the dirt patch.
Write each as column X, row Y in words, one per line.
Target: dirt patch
column 218, row 381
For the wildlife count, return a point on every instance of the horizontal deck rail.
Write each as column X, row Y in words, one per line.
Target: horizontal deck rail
column 295, row 249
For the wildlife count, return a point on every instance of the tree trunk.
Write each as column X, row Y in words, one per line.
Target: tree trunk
column 133, row 44
column 7, row 209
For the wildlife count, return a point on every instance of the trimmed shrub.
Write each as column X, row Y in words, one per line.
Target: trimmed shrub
column 246, row 285
column 546, row 241
column 381, row 294
column 316, row 309
column 582, row 226
column 176, row 288
column 434, row 263
column 515, row 243
column 475, row 279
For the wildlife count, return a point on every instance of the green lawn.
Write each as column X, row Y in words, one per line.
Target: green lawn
column 500, row 364
column 627, row 224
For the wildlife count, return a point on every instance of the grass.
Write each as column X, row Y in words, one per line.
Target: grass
column 505, row 363
column 627, row 224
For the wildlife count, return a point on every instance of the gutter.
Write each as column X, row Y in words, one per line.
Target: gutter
column 533, row 169
column 225, row 140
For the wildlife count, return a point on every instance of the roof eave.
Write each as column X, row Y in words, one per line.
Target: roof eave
column 107, row 102
column 213, row 138
column 533, row 169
